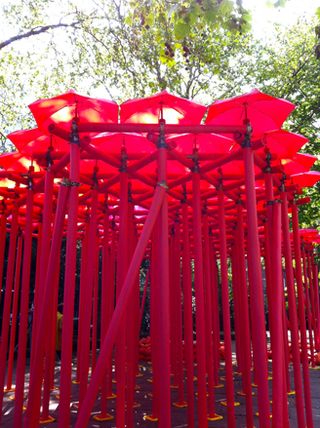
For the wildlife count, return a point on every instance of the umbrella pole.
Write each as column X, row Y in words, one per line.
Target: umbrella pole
column 107, row 297
column 188, row 321
column 208, row 318
column 301, row 312
column 243, row 291
column 316, row 299
column 307, row 302
column 162, row 293
column 279, row 400
column 16, row 291
column 45, row 239
column 3, row 233
column 176, row 319
column 132, row 327
column 95, row 307
column 24, row 312
column 256, row 292
column 200, row 303
column 226, row 308
column 88, row 292
column 292, row 311
column 122, row 267
column 312, row 298
column 125, row 295
column 215, row 314
column 33, row 409
column 8, row 299
column 82, row 298
column 154, row 416
column 69, row 284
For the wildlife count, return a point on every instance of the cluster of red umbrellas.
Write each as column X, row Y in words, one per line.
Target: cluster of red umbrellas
column 202, row 194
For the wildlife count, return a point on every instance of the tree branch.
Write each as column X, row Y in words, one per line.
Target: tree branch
column 36, row 31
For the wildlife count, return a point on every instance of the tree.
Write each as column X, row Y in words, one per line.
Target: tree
column 201, row 49
column 125, row 49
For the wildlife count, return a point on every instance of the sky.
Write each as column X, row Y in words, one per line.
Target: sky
column 264, row 16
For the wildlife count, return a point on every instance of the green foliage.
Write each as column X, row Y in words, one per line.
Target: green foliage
column 201, row 49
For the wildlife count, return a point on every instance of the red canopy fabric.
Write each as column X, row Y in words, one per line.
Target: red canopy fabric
column 306, row 179
column 16, row 162
column 301, row 162
column 264, row 112
column 62, row 109
column 205, row 143
column 33, row 142
column 283, row 143
column 114, row 142
column 175, row 110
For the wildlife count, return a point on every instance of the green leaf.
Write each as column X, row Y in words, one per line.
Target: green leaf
column 181, row 29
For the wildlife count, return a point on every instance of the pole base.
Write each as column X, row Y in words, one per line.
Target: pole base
column 257, row 414
column 225, row 404
column 101, row 417
column 180, row 404
column 244, row 394
column 215, row 417
column 111, row 396
column 219, row 385
column 150, row 418
column 47, row 420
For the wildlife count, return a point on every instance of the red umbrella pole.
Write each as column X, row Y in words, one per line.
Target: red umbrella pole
column 279, row 400
column 24, row 312
column 122, row 267
column 7, row 300
column 3, row 232
column 162, row 295
column 69, row 287
column 256, row 292
column 292, row 311
column 226, row 309
column 33, row 409
column 200, row 303
column 243, row 297
column 107, row 345
column 302, row 319
column 188, row 321
column 16, row 293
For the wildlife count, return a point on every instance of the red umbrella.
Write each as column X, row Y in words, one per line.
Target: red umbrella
column 64, row 108
column 264, row 112
column 16, row 162
column 306, row 179
column 301, row 162
column 283, row 143
column 175, row 110
column 33, row 142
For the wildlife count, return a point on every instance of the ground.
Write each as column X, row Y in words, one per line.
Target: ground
column 178, row 415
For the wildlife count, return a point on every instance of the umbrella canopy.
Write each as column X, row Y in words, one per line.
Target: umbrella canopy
column 175, row 110
column 283, row 143
column 264, row 112
column 33, row 142
column 306, row 179
column 204, row 143
column 301, row 162
column 114, row 142
column 66, row 107
column 17, row 162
